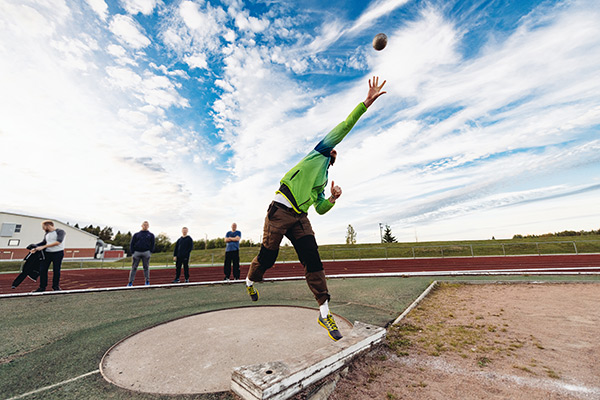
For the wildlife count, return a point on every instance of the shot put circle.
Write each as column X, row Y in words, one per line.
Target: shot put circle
column 197, row 354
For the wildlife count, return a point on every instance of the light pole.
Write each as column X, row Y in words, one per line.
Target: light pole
column 380, row 232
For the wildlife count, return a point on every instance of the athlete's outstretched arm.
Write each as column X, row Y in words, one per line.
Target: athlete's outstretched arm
column 374, row 91
column 341, row 130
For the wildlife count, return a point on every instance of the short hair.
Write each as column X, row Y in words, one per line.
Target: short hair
column 185, row 227
column 48, row 222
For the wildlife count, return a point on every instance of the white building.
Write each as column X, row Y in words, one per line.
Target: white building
column 17, row 231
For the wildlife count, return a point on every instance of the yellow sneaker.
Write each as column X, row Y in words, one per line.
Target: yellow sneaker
column 332, row 329
column 252, row 292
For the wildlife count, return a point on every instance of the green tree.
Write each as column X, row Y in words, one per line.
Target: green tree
column 162, row 243
column 123, row 240
column 106, row 234
column 350, row 235
column 387, row 235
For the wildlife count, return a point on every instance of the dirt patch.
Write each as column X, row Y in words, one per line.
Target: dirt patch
column 503, row 341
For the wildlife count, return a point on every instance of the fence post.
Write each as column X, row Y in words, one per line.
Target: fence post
column 503, row 250
column 538, row 248
column 413, row 250
column 212, row 259
column 574, row 245
column 471, row 246
column 333, row 254
column 386, row 253
column 442, row 249
column 359, row 257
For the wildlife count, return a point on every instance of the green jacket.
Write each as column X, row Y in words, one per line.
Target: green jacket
column 304, row 184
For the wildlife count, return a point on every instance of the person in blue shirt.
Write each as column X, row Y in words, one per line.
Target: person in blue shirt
column 232, row 252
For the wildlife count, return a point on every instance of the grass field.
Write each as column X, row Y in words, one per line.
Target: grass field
column 49, row 339
column 572, row 245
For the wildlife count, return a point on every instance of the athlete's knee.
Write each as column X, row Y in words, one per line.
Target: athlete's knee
column 267, row 257
column 308, row 252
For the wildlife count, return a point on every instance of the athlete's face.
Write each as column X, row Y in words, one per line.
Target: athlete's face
column 333, row 156
column 47, row 228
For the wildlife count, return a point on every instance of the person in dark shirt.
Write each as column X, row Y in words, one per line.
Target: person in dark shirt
column 181, row 255
column 141, row 247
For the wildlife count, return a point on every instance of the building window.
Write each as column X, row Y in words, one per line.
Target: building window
column 7, row 229
column 18, row 228
column 14, row 242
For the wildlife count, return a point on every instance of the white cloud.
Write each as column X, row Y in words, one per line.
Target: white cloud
column 128, row 31
column 133, row 7
column 246, row 22
column 375, row 11
column 197, row 60
column 124, row 78
column 100, row 7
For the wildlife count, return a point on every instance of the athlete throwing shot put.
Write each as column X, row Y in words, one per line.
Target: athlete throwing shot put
column 303, row 186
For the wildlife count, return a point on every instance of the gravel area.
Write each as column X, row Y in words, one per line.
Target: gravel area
column 492, row 341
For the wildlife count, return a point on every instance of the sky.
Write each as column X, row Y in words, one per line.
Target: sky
column 188, row 113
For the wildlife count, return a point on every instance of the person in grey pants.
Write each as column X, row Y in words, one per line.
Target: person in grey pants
column 141, row 247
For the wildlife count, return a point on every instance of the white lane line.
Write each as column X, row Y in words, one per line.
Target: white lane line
column 53, row 386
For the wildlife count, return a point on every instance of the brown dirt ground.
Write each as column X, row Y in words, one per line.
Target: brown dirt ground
column 488, row 341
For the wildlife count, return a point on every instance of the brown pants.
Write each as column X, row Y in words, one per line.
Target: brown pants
column 282, row 221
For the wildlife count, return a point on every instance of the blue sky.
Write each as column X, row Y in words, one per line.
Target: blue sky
column 189, row 113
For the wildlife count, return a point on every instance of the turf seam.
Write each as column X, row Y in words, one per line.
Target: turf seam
column 43, row 389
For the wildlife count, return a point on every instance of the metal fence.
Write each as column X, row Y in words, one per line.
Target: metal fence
column 358, row 252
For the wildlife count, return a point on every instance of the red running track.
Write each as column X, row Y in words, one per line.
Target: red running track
column 103, row 278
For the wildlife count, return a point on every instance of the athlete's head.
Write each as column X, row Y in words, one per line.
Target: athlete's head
column 332, row 157
column 48, row 226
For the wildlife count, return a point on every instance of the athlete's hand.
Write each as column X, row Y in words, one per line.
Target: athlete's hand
column 374, row 91
column 336, row 192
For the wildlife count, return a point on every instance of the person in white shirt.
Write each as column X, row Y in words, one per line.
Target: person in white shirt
column 54, row 247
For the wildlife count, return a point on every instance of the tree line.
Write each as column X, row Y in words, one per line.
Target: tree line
column 559, row 234
column 162, row 242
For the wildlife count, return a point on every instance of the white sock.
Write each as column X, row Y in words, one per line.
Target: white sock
column 324, row 308
column 249, row 282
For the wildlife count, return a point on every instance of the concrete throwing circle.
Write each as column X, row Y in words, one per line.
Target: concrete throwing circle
column 197, row 354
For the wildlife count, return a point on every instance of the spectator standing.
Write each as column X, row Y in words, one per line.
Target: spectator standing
column 181, row 255
column 54, row 248
column 232, row 252
column 141, row 247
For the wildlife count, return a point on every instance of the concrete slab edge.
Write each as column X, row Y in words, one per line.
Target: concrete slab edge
column 297, row 375
column 416, row 302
